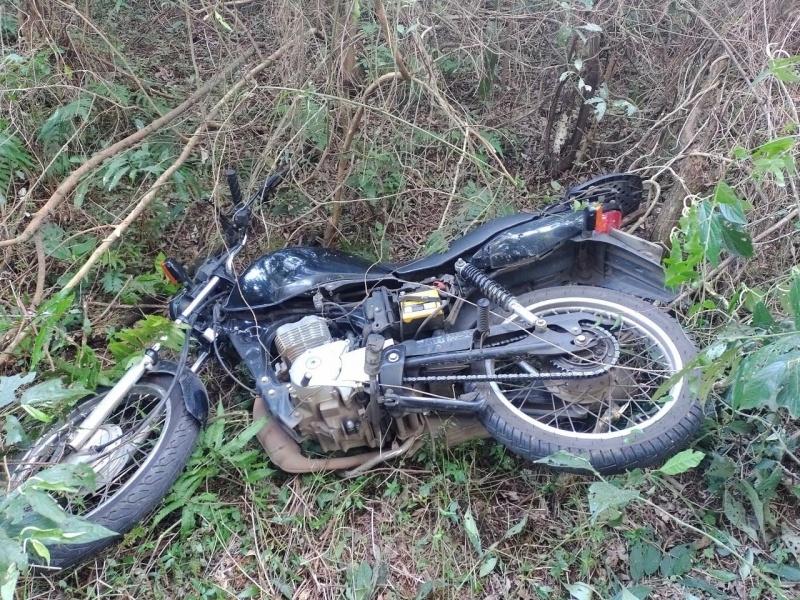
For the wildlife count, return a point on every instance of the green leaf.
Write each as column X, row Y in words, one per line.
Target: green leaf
column 580, row 591
column 471, row 529
column 565, row 460
column 762, row 317
column 43, row 504
column 794, row 299
column 360, row 585
column 710, row 235
column 757, row 505
column 724, row 194
column 13, row 431
column 604, row 497
column 53, row 241
column 10, row 384
column 644, row 559
column 683, row 461
column 53, row 391
column 59, row 124
column 770, row 377
column 37, row 414
column 40, row 549
column 8, row 582
column 774, row 147
column 48, row 317
column 785, row 572
column 516, row 529
column 241, row 440
column 487, row 566
column 784, row 69
column 678, row 561
column 736, row 515
column 11, row 553
column 735, row 240
column 63, row 478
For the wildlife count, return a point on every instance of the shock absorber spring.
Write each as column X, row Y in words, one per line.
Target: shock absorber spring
column 497, row 293
column 483, row 315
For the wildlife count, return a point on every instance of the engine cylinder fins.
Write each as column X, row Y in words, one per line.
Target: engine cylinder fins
column 292, row 339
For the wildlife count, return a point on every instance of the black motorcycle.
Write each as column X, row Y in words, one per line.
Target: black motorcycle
column 539, row 330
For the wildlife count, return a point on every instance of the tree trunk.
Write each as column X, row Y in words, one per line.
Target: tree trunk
column 693, row 170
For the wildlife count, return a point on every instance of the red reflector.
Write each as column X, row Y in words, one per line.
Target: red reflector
column 607, row 221
column 168, row 274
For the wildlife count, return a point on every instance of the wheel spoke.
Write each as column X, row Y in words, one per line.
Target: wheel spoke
column 613, row 403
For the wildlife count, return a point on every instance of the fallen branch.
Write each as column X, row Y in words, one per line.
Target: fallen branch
column 331, row 230
column 164, row 178
column 98, row 158
column 145, row 201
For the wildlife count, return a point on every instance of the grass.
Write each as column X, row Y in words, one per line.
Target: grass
column 467, row 522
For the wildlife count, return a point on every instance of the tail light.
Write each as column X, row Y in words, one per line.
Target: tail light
column 605, row 221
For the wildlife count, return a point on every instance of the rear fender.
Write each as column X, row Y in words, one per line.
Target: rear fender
column 615, row 260
column 195, row 396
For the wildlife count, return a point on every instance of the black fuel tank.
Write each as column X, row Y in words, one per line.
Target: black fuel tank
column 291, row 272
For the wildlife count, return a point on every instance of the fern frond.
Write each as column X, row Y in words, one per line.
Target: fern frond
column 60, row 124
column 13, row 157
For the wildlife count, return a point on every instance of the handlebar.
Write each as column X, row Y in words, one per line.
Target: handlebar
column 239, row 220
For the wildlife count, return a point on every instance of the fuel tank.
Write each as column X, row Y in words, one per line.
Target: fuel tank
column 291, row 272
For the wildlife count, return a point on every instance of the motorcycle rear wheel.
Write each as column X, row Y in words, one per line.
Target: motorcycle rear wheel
column 614, row 423
column 148, row 440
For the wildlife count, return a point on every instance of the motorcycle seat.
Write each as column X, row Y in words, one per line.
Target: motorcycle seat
column 471, row 241
column 622, row 190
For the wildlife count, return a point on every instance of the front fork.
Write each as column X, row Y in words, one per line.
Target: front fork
column 89, row 426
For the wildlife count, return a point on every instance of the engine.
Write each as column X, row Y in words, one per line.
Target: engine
column 326, row 379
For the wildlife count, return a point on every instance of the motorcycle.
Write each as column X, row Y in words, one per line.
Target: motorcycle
column 539, row 330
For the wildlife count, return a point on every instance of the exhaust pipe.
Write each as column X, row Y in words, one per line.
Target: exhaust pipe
column 287, row 456
column 285, row 453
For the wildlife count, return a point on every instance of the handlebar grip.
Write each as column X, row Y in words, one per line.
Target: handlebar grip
column 233, row 185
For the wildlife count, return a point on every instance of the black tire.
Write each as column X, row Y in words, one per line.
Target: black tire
column 146, row 487
column 650, row 445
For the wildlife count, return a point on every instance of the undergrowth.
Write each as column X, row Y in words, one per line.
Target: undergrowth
column 720, row 520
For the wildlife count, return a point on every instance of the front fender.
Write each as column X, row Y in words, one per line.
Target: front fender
column 195, row 396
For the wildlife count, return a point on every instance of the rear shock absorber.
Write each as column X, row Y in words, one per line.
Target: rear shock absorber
column 497, row 293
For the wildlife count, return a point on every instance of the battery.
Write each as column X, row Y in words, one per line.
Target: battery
column 420, row 305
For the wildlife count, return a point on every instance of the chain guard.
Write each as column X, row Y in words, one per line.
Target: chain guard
column 583, row 373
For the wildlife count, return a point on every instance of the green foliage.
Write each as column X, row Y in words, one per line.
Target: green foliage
column 213, row 457
column 710, row 226
column 63, row 122
column 607, row 500
column 31, row 519
column 130, row 343
column 48, row 324
column 682, row 462
column 784, row 69
column 15, row 160
column 769, row 377
column 377, row 175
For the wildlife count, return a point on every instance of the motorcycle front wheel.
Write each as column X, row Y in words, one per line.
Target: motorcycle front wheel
column 636, row 414
column 136, row 454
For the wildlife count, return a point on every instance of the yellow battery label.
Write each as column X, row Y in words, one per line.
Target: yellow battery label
column 420, row 305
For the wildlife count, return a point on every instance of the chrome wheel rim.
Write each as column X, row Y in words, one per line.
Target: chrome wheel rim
column 129, row 437
column 648, row 359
